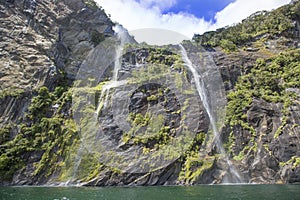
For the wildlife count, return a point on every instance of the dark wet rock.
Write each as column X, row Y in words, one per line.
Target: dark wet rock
column 41, row 39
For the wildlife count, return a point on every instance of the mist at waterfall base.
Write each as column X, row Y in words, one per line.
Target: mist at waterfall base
column 204, row 192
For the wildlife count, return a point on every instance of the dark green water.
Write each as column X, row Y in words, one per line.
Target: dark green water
column 255, row 192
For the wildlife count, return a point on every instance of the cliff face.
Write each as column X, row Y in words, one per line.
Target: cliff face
column 42, row 41
column 71, row 112
column 261, row 130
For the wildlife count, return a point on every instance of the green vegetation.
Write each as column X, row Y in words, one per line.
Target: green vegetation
column 150, row 73
column 245, row 151
column 47, row 139
column 5, row 134
column 49, row 132
column 156, row 133
column 273, row 81
column 162, row 56
column 91, row 3
column 294, row 161
column 194, row 167
column 228, row 45
column 11, row 93
column 97, row 37
column 268, row 80
column 161, row 63
column 252, row 28
column 195, row 164
column 89, row 167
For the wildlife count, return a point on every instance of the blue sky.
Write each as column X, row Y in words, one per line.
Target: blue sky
column 206, row 9
column 186, row 17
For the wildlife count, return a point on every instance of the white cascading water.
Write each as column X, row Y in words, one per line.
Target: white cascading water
column 123, row 38
column 200, row 86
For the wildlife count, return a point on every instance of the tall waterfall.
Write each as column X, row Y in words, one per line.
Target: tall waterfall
column 123, row 38
column 203, row 93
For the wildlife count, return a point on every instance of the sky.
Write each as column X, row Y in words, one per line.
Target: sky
column 185, row 17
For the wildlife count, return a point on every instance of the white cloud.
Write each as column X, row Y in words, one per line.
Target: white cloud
column 240, row 9
column 148, row 14
column 134, row 15
column 161, row 5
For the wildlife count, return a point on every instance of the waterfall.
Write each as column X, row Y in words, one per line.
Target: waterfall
column 77, row 162
column 203, row 93
column 123, row 38
column 105, row 93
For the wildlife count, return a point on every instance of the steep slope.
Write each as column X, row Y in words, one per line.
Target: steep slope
column 80, row 106
column 43, row 44
column 260, row 70
column 45, row 40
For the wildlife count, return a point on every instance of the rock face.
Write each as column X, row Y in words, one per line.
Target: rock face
column 268, row 158
column 140, row 118
column 143, row 122
column 43, row 43
column 39, row 39
column 266, row 143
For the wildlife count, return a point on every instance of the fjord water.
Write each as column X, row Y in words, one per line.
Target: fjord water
column 203, row 192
